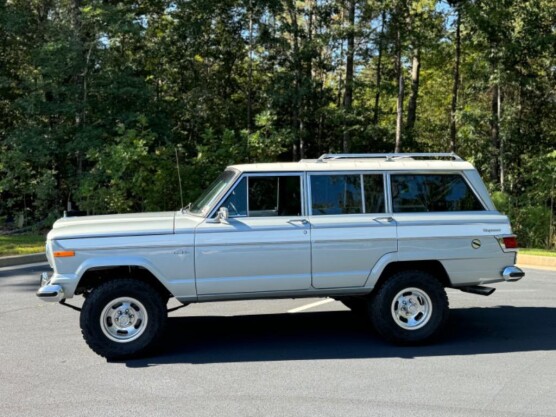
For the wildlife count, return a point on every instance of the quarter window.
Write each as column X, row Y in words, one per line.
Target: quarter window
column 432, row 193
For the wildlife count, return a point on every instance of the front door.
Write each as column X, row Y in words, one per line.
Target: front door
column 264, row 246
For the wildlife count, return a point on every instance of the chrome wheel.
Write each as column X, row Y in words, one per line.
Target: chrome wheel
column 124, row 319
column 411, row 308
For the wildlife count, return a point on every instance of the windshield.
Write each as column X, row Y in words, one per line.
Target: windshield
column 203, row 204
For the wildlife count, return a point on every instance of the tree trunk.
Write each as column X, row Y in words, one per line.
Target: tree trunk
column 308, row 77
column 399, row 107
column 250, row 72
column 495, row 135
column 298, row 71
column 455, row 87
column 412, row 106
column 348, row 96
column 379, row 69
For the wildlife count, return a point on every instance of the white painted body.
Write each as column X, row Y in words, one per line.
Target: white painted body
column 199, row 259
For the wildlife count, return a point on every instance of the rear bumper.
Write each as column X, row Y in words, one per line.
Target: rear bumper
column 50, row 292
column 512, row 273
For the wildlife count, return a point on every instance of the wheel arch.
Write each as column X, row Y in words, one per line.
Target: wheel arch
column 433, row 267
column 94, row 274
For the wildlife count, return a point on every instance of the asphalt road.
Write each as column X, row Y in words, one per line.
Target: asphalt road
column 498, row 358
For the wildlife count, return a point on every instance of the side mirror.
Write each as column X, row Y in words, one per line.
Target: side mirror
column 222, row 215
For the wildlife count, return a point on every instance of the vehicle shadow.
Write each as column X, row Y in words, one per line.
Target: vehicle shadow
column 343, row 335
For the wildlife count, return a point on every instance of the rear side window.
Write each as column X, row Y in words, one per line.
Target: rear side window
column 336, row 194
column 347, row 194
column 432, row 193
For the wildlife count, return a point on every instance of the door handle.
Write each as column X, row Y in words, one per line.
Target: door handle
column 295, row 221
column 389, row 219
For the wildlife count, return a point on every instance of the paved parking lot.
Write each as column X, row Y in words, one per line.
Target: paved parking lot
column 258, row 358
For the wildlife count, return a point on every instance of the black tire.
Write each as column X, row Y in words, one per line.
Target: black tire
column 420, row 319
column 146, row 318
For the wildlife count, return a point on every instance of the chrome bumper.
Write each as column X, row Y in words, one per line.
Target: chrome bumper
column 49, row 292
column 512, row 273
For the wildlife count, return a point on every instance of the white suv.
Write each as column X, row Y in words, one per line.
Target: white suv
column 383, row 233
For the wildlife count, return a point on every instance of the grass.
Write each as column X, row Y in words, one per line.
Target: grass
column 21, row 244
column 537, row 252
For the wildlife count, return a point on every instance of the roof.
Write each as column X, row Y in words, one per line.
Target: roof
column 362, row 162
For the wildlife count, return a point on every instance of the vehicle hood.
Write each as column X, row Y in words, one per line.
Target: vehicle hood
column 112, row 225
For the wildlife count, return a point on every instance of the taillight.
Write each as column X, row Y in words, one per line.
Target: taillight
column 508, row 242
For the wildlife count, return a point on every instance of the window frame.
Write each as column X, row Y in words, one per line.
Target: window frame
column 385, row 190
column 246, row 175
column 445, row 173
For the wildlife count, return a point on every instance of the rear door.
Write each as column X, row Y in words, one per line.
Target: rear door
column 351, row 227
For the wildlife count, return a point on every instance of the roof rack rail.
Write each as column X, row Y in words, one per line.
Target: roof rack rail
column 387, row 156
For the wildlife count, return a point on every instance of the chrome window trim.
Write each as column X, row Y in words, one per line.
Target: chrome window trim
column 356, row 172
column 247, row 174
column 443, row 172
column 217, row 199
column 388, row 204
column 363, row 203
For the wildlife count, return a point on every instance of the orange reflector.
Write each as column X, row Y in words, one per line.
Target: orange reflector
column 64, row 253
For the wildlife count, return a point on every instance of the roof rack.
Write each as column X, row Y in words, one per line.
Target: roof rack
column 387, row 156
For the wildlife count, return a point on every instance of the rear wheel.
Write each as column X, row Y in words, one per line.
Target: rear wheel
column 410, row 307
column 122, row 318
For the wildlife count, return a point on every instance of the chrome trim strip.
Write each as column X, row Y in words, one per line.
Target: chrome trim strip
column 369, row 239
column 388, row 194
column 451, row 223
column 257, row 243
column 131, row 234
column 81, row 249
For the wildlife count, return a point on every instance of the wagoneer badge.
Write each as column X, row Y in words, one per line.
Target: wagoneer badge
column 475, row 243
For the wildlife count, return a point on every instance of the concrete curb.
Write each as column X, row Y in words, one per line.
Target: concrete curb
column 535, row 260
column 22, row 259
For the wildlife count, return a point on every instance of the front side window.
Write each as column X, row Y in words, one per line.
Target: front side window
column 432, row 193
column 264, row 196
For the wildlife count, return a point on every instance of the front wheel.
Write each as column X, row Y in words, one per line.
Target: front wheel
column 122, row 318
column 410, row 307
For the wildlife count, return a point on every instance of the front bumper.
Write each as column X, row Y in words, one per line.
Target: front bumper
column 512, row 273
column 50, row 292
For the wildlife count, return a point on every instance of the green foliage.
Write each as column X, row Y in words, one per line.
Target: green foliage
column 21, row 244
column 96, row 100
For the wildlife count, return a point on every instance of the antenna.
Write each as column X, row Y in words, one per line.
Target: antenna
column 179, row 176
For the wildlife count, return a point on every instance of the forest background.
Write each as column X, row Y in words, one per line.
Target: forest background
column 97, row 98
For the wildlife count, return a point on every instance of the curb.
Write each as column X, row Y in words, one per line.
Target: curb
column 22, row 259
column 535, row 260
